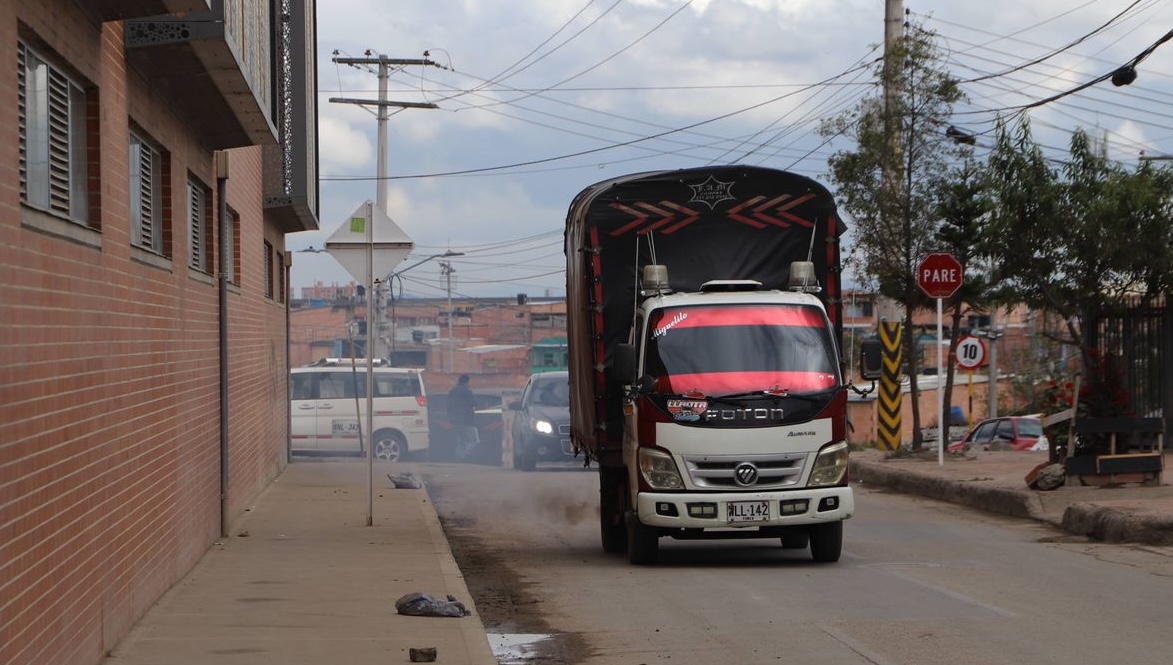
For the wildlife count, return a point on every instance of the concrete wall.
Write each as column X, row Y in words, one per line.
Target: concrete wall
column 972, row 398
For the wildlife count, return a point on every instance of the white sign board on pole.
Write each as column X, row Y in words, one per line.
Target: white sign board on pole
column 369, row 245
column 387, row 244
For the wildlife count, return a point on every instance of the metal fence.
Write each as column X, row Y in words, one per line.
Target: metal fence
column 1136, row 333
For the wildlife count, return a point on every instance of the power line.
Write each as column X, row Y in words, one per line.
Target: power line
column 1053, row 53
column 580, row 153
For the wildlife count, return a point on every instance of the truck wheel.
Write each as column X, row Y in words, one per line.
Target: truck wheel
column 643, row 543
column 826, row 541
column 611, row 527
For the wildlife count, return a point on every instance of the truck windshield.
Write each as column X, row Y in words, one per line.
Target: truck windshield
column 724, row 349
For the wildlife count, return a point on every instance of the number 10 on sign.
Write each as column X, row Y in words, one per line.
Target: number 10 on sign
column 971, row 352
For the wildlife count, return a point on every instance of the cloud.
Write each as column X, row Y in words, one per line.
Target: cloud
column 343, row 147
column 576, row 92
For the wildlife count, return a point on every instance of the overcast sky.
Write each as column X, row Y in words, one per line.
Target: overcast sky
column 540, row 98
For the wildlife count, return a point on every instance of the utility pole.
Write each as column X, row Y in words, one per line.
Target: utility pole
column 992, row 406
column 892, row 175
column 893, row 34
column 447, row 270
column 384, row 64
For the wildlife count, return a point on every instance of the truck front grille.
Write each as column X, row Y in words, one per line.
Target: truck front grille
column 717, row 471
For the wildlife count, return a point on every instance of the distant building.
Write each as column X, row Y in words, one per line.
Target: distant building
column 329, row 293
column 551, row 354
column 495, row 340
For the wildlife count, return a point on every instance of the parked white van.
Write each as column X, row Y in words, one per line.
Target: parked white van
column 329, row 401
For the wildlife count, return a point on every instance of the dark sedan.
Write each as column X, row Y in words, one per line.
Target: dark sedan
column 541, row 421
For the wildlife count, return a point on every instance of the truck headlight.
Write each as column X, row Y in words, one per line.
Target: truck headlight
column 542, row 426
column 659, row 470
column 830, row 466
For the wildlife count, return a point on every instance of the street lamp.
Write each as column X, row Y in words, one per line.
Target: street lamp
column 391, row 294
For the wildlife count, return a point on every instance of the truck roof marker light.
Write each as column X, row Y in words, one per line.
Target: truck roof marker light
column 656, row 279
column 803, row 278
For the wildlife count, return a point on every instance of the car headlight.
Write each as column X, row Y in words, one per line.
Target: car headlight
column 659, row 470
column 830, row 466
column 542, row 426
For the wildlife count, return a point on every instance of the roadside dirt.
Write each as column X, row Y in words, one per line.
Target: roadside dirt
column 506, row 603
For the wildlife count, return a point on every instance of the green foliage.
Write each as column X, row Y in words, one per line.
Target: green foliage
column 1085, row 234
column 893, row 181
column 1065, row 239
column 892, row 200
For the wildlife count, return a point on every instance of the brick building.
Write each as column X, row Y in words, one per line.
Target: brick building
column 492, row 339
column 152, row 146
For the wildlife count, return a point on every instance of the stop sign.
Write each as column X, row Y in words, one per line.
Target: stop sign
column 939, row 275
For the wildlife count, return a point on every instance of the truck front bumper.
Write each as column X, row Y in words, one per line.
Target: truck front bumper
column 745, row 510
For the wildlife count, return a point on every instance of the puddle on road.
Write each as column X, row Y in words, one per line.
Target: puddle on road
column 517, row 648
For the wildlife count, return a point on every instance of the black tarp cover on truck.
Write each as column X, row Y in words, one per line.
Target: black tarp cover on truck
column 723, row 222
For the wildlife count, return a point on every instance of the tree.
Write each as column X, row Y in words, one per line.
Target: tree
column 890, row 183
column 1087, row 235
column 963, row 212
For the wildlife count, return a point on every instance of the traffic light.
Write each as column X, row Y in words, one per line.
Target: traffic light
column 362, row 326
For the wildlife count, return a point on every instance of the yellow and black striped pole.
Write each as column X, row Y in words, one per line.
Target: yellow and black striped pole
column 888, row 429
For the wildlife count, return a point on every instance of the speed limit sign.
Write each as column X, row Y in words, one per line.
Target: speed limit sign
column 971, row 352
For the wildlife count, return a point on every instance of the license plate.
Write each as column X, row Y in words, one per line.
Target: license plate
column 747, row 511
column 344, row 427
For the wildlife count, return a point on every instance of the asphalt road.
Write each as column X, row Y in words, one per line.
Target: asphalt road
column 919, row 582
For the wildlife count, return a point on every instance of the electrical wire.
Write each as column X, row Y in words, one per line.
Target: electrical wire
column 580, row 153
column 1055, row 52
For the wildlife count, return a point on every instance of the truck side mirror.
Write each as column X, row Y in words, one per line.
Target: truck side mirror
column 625, row 361
column 871, row 359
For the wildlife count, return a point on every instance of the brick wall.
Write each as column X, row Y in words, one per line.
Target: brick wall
column 109, row 369
column 862, row 413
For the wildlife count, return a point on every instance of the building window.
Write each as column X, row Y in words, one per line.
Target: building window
column 53, row 147
column 148, row 209
column 857, row 310
column 199, row 226
column 269, row 277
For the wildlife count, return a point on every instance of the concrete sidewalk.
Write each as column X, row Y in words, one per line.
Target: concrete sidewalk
column 303, row 580
column 995, row 482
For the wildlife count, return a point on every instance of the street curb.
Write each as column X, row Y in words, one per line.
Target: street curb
column 476, row 640
column 1113, row 526
column 990, row 499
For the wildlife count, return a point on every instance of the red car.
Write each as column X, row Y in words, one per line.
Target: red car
column 1007, row 433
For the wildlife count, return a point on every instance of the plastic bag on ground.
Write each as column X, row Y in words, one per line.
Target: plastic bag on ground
column 421, row 605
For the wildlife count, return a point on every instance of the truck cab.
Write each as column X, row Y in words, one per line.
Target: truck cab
column 731, row 415
column 704, row 321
